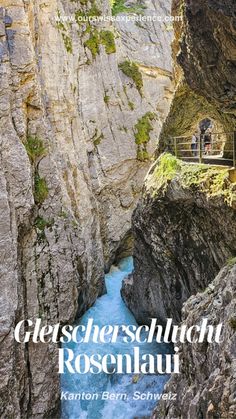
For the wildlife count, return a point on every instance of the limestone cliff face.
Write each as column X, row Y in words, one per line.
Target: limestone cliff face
column 207, row 383
column 208, row 50
column 184, row 221
column 184, row 230
column 204, row 50
column 68, row 119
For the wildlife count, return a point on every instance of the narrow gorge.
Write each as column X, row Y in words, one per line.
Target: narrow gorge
column 73, row 100
column 88, row 177
column 185, row 223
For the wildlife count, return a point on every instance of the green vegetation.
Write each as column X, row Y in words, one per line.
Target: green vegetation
column 142, row 155
column 213, row 181
column 118, row 6
column 63, row 214
column 93, row 43
column 131, row 105
column 79, row 15
column 40, row 189
column 168, row 167
column 60, row 25
column 35, row 148
column 131, row 70
column 142, row 134
column 108, row 40
column 165, row 171
column 94, row 11
column 97, row 38
column 41, row 223
column 67, row 42
column 97, row 139
column 143, row 128
column 231, row 262
column 106, row 99
column 63, row 29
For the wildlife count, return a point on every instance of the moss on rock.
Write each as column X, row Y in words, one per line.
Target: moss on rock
column 40, row 189
column 108, row 40
column 64, row 33
column 142, row 132
column 93, row 43
column 214, row 181
column 40, row 223
column 131, row 70
column 143, row 128
column 98, row 38
column 35, row 148
column 106, row 98
column 142, row 155
column 118, row 6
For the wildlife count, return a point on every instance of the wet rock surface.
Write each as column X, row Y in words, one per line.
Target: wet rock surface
column 182, row 236
column 207, row 383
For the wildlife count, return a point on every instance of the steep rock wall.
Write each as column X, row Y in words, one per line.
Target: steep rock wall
column 204, row 62
column 67, row 151
column 207, row 383
column 184, row 230
column 204, row 58
column 208, row 50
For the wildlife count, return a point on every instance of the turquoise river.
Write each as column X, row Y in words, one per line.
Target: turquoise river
column 111, row 310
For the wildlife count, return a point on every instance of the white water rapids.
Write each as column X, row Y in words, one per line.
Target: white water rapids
column 110, row 309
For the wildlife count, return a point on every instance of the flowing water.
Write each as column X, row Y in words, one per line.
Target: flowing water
column 110, row 309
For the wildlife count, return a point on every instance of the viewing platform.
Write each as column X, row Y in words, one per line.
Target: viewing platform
column 219, row 149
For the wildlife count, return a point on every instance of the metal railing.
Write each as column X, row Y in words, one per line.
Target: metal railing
column 216, row 148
